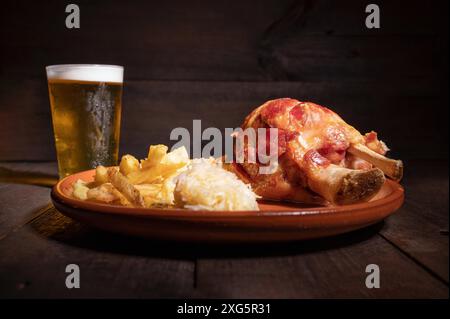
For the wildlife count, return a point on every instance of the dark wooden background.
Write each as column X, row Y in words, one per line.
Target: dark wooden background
column 216, row 60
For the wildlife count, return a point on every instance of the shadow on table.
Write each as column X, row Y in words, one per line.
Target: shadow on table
column 15, row 176
column 58, row 227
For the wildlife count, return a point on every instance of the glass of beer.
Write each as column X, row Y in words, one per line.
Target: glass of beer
column 86, row 102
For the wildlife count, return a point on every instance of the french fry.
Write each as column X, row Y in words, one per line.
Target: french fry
column 103, row 193
column 146, row 184
column 156, row 173
column 178, row 155
column 151, row 193
column 160, row 165
column 155, row 155
column 128, row 164
column 125, row 187
column 151, row 190
column 101, row 175
column 107, row 193
column 121, row 199
column 80, row 189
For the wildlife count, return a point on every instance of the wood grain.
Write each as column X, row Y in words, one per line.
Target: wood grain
column 236, row 56
column 166, row 40
column 20, row 203
column 116, row 266
column 328, row 268
column 33, row 261
column 409, row 247
column 151, row 109
column 420, row 228
column 215, row 61
column 204, row 40
column 417, row 230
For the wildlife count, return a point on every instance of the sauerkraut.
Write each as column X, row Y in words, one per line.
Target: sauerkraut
column 205, row 185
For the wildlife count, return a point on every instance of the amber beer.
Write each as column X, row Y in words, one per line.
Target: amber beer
column 86, row 102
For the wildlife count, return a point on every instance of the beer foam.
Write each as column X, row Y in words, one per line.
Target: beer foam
column 86, row 72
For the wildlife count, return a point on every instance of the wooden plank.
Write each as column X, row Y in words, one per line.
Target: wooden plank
column 117, row 266
column 326, row 268
column 33, row 256
column 29, row 173
column 309, row 58
column 172, row 39
column 420, row 228
column 295, row 58
column 151, row 109
column 20, row 203
column 411, row 250
column 204, row 40
column 325, row 39
column 33, row 261
column 328, row 17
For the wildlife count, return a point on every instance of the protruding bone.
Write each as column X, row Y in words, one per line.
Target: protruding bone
column 392, row 168
column 345, row 186
column 274, row 187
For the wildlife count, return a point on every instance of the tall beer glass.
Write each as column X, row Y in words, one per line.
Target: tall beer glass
column 86, row 102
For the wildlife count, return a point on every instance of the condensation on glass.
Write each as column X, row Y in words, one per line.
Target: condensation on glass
column 86, row 103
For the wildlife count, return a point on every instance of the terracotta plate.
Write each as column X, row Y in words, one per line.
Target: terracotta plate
column 276, row 221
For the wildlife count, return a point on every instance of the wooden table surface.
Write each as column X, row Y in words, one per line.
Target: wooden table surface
column 37, row 242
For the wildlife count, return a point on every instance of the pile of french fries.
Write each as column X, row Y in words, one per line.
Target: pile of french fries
column 145, row 183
